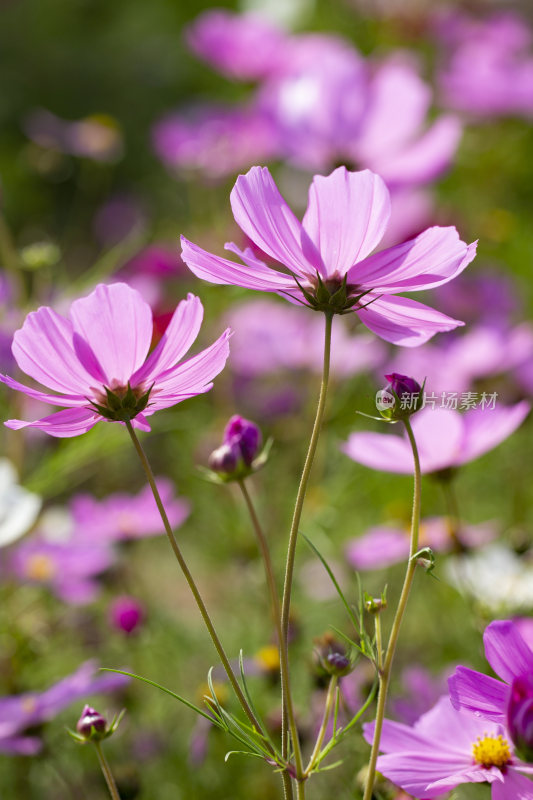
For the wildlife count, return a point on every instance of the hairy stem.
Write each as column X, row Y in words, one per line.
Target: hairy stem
column 384, row 677
column 108, row 775
column 289, row 569
column 328, row 708
column 190, row 580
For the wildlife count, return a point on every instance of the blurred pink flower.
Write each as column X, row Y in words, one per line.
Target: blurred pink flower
column 293, row 342
column 240, row 46
column 489, row 64
column 23, row 711
column 384, row 545
column 215, row 140
column 121, row 516
column 68, row 567
column 347, row 215
column 445, row 439
column 97, row 360
column 421, row 691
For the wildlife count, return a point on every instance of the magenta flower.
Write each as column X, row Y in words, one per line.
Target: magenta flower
column 327, row 259
column 96, row 360
column 446, row 748
column 126, row 613
column 121, row 516
column 445, row 439
column 511, row 658
column 23, row 711
column 384, row 545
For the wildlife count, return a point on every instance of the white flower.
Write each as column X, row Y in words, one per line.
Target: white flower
column 18, row 507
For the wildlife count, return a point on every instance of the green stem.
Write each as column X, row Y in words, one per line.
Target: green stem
column 108, row 775
column 379, row 644
column 328, row 708
column 289, row 569
column 385, row 674
column 274, row 599
column 190, row 580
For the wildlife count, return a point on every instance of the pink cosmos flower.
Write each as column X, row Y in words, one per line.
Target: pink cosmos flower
column 241, row 46
column 446, row 748
column 510, row 656
column 96, row 360
column 23, row 711
column 445, row 439
column 384, row 545
column 326, row 257
column 126, row 613
column 121, row 516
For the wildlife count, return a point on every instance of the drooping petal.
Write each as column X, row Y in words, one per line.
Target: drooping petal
column 215, row 269
column 264, row 216
column 71, row 401
column 346, row 217
column 506, row 650
column 62, row 424
column 43, row 349
column 114, row 325
column 405, row 322
column 485, row 428
column 478, row 693
column 514, row 787
column 193, row 376
column 434, row 257
column 175, row 342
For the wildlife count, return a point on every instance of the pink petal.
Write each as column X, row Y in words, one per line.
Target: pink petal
column 53, row 399
column 193, row 376
column 514, row 787
column 474, row 774
column 114, row 325
column 255, row 275
column 506, row 650
column 43, row 350
column 405, row 322
column 478, row 693
column 175, row 342
column 434, row 257
column 346, row 217
column 487, row 428
column 414, row 771
column 381, row 451
column 63, row 424
column 426, row 158
column 378, row 548
column 264, row 216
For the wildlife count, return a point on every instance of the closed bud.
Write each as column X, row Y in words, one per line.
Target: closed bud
column 520, row 716
column 331, row 657
column 224, row 459
column 401, row 398
column 245, row 435
column 91, row 724
column 238, row 456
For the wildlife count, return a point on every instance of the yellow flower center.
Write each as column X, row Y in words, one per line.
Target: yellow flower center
column 491, row 751
column 268, row 658
column 40, row 567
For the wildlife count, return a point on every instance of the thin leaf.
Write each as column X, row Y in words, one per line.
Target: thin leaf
column 333, row 580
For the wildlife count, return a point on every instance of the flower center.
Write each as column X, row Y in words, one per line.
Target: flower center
column 40, row 567
column 491, row 751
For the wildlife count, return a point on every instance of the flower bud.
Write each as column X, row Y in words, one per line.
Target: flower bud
column 520, row 716
column 238, row 456
column 91, row 724
column 245, row 435
column 331, row 657
column 126, row 614
column 400, row 398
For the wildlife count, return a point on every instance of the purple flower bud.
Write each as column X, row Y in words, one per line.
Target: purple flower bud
column 245, row 435
column 224, row 459
column 91, row 724
column 520, row 716
column 126, row 613
column 338, row 664
column 400, row 398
